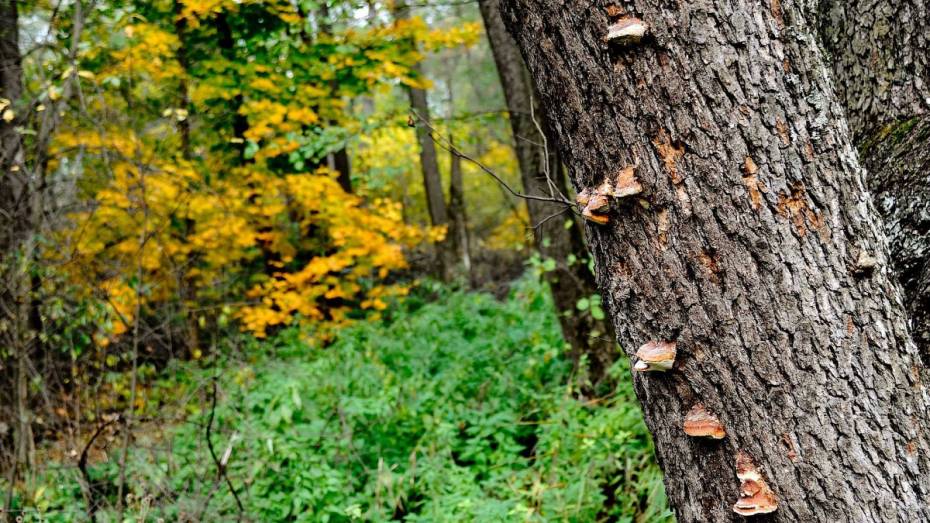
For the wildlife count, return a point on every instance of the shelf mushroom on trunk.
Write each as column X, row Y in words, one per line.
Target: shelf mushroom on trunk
column 701, row 423
column 658, row 356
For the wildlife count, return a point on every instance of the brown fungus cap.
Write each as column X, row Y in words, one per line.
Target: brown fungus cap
column 594, row 206
column 701, row 423
column 655, row 356
column 625, row 183
column 595, row 203
column 755, row 496
column 627, row 30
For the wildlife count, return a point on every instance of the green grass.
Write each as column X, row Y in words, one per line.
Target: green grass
column 460, row 409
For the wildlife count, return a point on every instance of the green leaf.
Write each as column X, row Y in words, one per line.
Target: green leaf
column 250, row 149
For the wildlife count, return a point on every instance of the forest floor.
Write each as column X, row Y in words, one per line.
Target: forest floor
column 454, row 407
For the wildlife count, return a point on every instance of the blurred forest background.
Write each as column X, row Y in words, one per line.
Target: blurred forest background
column 292, row 260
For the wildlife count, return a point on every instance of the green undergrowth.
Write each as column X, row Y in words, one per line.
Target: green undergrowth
column 456, row 408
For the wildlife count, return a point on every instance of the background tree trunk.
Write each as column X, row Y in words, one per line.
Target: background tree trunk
column 880, row 52
column 240, row 123
column 17, row 215
column 542, row 175
column 13, row 181
column 429, row 164
column 457, row 209
column 457, row 213
column 432, row 180
column 749, row 246
column 343, row 166
column 337, row 160
column 187, row 284
column 881, row 65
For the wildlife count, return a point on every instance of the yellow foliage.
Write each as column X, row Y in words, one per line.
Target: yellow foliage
column 369, row 243
column 466, row 35
column 197, row 12
column 513, row 232
column 151, row 52
column 210, row 225
column 230, row 222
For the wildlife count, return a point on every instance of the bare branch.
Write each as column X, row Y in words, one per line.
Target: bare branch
column 444, row 144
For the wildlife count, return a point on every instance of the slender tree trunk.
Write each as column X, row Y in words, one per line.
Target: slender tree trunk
column 240, row 123
column 429, row 163
column 343, row 166
column 557, row 234
column 752, row 244
column 17, row 215
column 339, row 159
column 881, row 65
column 432, row 180
column 13, row 179
column 188, row 285
column 457, row 212
column 458, row 217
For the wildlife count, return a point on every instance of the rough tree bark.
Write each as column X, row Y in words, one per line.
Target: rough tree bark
column 881, row 65
column 541, row 173
column 12, row 182
column 750, row 246
column 17, row 215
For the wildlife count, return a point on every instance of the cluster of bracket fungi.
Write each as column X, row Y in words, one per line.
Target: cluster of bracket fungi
column 595, row 203
column 755, row 496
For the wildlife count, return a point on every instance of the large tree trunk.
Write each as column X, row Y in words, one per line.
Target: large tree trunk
column 541, row 173
column 880, row 52
column 753, row 245
column 881, row 64
column 898, row 165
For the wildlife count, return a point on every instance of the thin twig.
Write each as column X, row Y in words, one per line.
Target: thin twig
column 551, row 216
column 444, row 144
column 221, row 464
column 82, row 466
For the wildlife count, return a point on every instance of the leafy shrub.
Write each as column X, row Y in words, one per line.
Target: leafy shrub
column 462, row 409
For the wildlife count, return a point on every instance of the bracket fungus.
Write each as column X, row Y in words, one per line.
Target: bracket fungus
column 595, row 203
column 628, row 30
column 594, row 206
column 701, row 423
column 624, row 184
column 865, row 263
column 656, row 356
column 755, row 496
